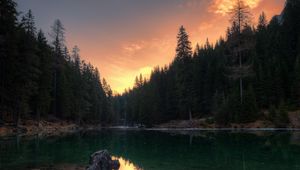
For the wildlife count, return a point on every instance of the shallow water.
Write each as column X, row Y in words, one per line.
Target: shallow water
column 154, row 150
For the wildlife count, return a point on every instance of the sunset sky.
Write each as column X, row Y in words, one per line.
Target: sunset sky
column 126, row 37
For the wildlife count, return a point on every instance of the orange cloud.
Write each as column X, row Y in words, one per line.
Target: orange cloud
column 224, row 6
column 137, row 57
column 130, row 49
column 205, row 26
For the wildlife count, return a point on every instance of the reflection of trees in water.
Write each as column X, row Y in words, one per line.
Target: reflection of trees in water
column 157, row 150
column 295, row 138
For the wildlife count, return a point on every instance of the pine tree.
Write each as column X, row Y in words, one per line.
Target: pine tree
column 138, row 82
column 77, row 84
column 260, row 62
column 43, row 97
column 183, row 49
column 182, row 64
column 28, row 24
column 262, row 22
column 8, row 53
column 29, row 62
column 109, row 96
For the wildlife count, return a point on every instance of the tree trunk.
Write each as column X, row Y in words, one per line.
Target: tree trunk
column 18, row 119
column 241, row 89
column 17, row 116
column 190, row 115
column 79, row 120
column 38, row 117
column 55, row 92
column 241, row 65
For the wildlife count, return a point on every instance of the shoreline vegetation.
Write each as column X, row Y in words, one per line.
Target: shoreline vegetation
column 59, row 127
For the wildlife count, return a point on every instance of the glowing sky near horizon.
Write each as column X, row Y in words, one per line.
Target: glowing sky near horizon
column 124, row 38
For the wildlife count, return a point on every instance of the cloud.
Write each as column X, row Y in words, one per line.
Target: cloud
column 132, row 48
column 224, row 6
column 205, row 26
column 190, row 4
column 137, row 57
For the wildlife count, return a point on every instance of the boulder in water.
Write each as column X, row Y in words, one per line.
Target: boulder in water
column 101, row 160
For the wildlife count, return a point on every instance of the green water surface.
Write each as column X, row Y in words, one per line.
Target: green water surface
column 154, row 150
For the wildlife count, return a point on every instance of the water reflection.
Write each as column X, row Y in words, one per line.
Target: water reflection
column 137, row 150
column 126, row 164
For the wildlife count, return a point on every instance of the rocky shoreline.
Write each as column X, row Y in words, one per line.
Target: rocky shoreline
column 209, row 123
column 44, row 128
column 59, row 127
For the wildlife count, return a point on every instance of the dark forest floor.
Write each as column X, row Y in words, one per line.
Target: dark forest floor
column 294, row 118
column 44, row 128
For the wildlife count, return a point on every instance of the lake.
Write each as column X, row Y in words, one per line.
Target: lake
column 156, row 150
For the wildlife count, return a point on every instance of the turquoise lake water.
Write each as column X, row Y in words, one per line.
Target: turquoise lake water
column 154, row 150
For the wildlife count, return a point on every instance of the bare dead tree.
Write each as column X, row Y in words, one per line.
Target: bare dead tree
column 240, row 42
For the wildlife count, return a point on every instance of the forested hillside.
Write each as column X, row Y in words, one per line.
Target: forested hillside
column 253, row 73
column 41, row 79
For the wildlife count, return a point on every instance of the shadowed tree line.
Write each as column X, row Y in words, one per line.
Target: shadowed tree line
column 41, row 79
column 253, row 73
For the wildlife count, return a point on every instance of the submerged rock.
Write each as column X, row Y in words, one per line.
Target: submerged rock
column 101, row 160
